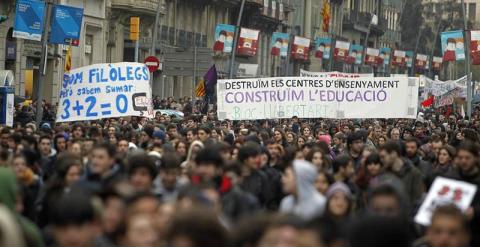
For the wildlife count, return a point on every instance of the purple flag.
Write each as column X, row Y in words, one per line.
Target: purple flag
column 211, row 77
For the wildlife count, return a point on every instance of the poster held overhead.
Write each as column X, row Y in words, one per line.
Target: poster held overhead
column 445, row 191
column 327, row 97
column 104, row 91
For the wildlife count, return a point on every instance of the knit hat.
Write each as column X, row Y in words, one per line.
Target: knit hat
column 325, row 138
column 339, row 187
column 159, row 134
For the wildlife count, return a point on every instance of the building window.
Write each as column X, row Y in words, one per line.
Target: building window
column 472, row 7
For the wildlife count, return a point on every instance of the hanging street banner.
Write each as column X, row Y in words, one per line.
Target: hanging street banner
column 399, row 58
column 248, row 42
column 307, row 97
column 29, row 19
column 104, row 91
column 439, row 88
column 409, row 58
column 421, row 61
column 372, row 57
column 300, row 48
column 445, row 191
column 453, row 46
column 385, row 55
column 475, row 47
column 224, row 38
column 437, row 63
column 279, row 44
column 323, row 47
column 340, row 53
column 355, row 54
column 67, row 24
column 333, row 74
column 448, row 98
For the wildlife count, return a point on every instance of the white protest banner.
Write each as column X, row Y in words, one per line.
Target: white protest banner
column 445, row 191
column 333, row 74
column 105, row 90
column 438, row 88
column 308, row 97
column 448, row 98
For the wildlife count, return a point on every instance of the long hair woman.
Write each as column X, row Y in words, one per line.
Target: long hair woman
column 68, row 169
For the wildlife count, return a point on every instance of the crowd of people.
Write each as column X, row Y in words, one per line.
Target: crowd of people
column 200, row 182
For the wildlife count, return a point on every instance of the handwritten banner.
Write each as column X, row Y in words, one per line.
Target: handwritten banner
column 448, row 98
column 307, row 97
column 445, row 191
column 105, row 90
column 438, row 88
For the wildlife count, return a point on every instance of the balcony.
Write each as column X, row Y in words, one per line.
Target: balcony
column 137, row 6
column 359, row 21
column 258, row 3
column 227, row 3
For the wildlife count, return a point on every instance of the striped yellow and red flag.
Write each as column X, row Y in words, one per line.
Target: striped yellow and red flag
column 326, row 16
column 200, row 89
column 68, row 59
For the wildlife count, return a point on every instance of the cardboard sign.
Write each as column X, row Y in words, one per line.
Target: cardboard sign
column 104, row 91
column 445, row 191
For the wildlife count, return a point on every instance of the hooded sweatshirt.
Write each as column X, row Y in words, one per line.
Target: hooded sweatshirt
column 308, row 202
column 8, row 195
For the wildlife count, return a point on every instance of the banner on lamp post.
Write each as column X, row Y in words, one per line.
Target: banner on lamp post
column 384, row 56
column 224, row 38
column 323, row 47
column 279, row 44
column 248, row 42
column 437, row 63
column 399, row 58
column 453, row 46
column 340, row 53
column 475, row 47
column 355, row 54
column 372, row 57
column 300, row 48
column 421, row 61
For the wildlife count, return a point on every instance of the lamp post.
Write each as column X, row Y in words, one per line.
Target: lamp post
column 43, row 63
column 235, row 40
column 466, row 39
column 373, row 21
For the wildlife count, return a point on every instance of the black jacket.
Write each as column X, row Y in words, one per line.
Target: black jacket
column 257, row 184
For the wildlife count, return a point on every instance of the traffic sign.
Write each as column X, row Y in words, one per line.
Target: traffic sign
column 152, row 63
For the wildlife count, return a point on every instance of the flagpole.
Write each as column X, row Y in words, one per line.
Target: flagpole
column 467, row 61
column 235, row 40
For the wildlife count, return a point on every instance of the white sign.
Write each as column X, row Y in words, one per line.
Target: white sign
column 438, row 88
column 445, row 191
column 104, row 91
column 10, row 110
column 373, row 52
column 334, row 74
column 342, row 45
column 249, row 33
column 308, row 97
